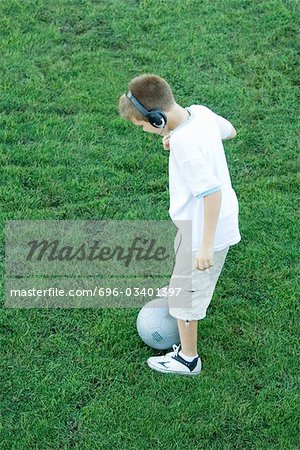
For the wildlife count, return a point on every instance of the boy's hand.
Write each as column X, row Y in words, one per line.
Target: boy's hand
column 166, row 142
column 205, row 257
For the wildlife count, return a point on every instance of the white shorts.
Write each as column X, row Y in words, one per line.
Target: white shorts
column 198, row 291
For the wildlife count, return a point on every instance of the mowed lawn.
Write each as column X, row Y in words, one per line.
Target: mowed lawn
column 78, row 378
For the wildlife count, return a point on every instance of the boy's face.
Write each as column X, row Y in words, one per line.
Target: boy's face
column 148, row 127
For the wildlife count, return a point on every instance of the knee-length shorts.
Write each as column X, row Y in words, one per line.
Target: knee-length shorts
column 197, row 288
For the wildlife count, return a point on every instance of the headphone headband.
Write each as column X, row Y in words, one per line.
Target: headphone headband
column 155, row 117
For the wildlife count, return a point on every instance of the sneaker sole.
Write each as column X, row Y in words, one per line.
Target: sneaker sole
column 191, row 374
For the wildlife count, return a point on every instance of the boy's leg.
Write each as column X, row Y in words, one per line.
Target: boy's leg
column 204, row 283
column 178, row 361
column 188, row 336
column 183, row 361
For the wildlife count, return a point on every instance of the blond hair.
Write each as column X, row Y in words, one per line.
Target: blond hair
column 150, row 90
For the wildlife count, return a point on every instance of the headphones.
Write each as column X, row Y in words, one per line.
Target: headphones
column 155, row 117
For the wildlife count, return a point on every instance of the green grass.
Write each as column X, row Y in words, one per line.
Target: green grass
column 78, row 378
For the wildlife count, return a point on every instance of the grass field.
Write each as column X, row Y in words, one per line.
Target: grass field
column 78, row 378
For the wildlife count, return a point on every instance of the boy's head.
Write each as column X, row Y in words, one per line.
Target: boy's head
column 153, row 92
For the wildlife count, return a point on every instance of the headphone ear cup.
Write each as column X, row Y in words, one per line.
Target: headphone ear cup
column 157, row 119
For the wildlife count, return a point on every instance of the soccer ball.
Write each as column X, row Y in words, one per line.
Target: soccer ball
column 156, row 327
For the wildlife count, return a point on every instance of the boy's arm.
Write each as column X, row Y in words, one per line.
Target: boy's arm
column 233, row 135
column 226, row 128
column 212, row 206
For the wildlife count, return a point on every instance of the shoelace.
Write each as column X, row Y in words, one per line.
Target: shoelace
column 175, row 351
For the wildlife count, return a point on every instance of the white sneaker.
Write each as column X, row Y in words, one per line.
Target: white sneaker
column 173, row 363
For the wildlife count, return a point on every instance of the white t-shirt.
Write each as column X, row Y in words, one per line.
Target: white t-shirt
column 198, row 167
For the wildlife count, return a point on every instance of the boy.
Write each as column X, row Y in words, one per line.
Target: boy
column 200, row 191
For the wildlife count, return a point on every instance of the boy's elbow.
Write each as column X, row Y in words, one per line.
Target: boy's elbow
column 231, row 136
column 233, row 133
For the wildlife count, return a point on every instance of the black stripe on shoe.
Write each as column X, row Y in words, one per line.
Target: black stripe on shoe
column 191, row 365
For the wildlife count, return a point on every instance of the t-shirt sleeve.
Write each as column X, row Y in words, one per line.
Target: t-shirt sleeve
column 225, row 127
column 192, row 156
column 199, row 178
column 197, row 173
